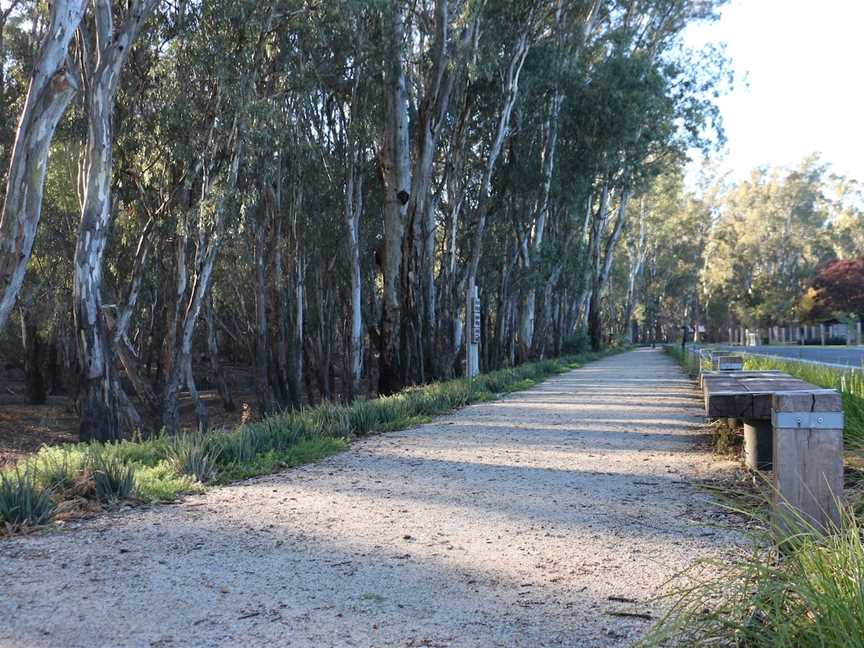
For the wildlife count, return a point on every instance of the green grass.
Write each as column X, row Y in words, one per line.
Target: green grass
column 688, row 361
column 23, row 502
column 163, row 467
column 807, row 593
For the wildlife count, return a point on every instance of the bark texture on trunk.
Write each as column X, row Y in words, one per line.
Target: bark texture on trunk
column 98, row 385
column 602, row 269
column 353, row 212
column 52, row 86
column 396, row 167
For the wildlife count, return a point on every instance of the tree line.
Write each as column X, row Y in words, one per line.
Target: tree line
column 296, row 197
column 781, row 247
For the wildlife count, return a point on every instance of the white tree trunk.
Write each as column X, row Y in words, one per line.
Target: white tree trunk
column 396, row 167
column 52, row 87
column 98, row 398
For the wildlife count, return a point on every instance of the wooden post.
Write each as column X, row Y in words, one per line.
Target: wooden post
column 808, row 458
column 822, row 334
column 473, row 347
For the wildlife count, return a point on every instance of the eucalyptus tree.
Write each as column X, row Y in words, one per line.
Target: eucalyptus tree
column 770, row 235
column 572, row 27
column 102, row 61
column 52, row 86
column 236, row 36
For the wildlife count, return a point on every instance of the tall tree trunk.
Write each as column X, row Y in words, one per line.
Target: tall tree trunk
column 353, row 212
column 210, row 232
column 98, row 386
column 636, row 253
column 222, row 384
column 295, row 359
column 266, row 402
column 510, row 94
column 602, row 271
column 52, row 86
column 396, row 168
column 34, row 355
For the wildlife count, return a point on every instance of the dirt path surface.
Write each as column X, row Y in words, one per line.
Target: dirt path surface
column 528, row 521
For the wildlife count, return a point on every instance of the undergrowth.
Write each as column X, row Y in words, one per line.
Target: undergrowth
column 162, row 467
column 803, row 593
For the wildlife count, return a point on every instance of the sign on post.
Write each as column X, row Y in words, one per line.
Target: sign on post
column 472, row 363
column 475, row 327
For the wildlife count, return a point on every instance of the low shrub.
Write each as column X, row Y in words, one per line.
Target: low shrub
column 193, row 455
column 162, row 483
column 23, row 503
column 576, row 344
column 114, row 479
column 58, row 469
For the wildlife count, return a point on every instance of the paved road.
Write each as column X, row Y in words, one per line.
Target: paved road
column 849, row 356
column 530, row 521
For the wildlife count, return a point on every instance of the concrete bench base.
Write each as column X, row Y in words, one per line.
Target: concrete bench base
column 758, row 444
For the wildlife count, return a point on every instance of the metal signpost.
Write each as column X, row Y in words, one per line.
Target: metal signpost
column 473, row 359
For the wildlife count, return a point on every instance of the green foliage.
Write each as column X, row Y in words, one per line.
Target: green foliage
column 162, row 483
column 57, row 469
column 23, row 503
column 578, row 343
column 804, row 594
column 191, row 454
column 114, row 479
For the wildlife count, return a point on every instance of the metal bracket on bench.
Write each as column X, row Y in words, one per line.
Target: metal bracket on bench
column 811, row 420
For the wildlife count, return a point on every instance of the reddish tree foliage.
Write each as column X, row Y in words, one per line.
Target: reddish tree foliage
column 840, row 286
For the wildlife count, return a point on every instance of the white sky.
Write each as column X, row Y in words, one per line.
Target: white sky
column 799, row 82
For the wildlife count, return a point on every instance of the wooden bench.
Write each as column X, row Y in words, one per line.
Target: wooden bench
column 721, row 361
column 792, row 428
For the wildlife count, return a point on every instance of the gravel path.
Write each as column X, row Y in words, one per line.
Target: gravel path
column 509, row 523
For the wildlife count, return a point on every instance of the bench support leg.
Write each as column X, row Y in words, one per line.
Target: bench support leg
column 757, row 444
column 808, row 460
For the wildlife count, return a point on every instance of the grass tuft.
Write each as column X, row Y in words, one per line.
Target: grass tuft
column 23, row 504
column 193, row 455
column 113, row 478
column 804, row 593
